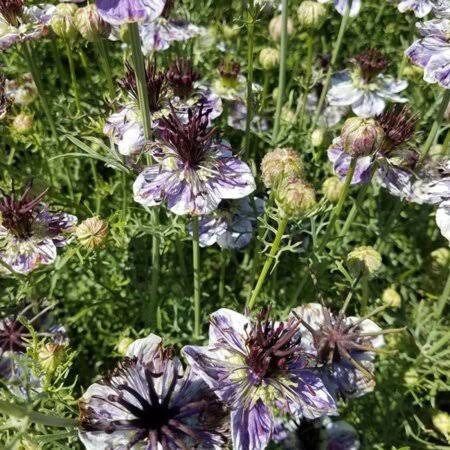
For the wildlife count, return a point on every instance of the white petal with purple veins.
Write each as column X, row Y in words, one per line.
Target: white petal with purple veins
column 343, row 92
column 369, row 105
column 443, row 219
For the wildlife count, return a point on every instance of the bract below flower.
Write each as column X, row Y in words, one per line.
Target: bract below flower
column 195, row 170
column 259, row 367
column 341, row 6
column 119, row 12
column 150, row 402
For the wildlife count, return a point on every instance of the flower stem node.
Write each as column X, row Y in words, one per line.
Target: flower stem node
column 280, row 164
column 311, row 15
column 269, row 58
column 332, row 189
column 92, row 232
column 364, row 259
column 361, row 137
column 275, row 26
column 63, row 21
column 294, row 197
column 391, row 298
column 89, row 23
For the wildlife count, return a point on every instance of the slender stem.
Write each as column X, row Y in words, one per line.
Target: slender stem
column 196, row 267
column 338, row 209
column 250, row 58
column 282, row 223
column 102, row 53
column 443, row 298
column 223, row 268
column 29, row 57
column 365, row 292
column 309, row 64
column 73, row 77
column 139, row 70
column 334, row 56
column 436, row 125
column 34, row 416
column 282, row 70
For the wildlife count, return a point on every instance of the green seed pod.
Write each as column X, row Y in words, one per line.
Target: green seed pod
column 90, row 24
column 361, row 137
column 63, row 21
column 332, row 188
column 364, row 259
column 92, row 232
column 311, row 15
column 269, row 58
column 295, row 198
column 391, row 298
column 279, row 164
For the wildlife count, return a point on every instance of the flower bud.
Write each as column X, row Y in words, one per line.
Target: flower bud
column 123, row 344
column 90, row 24
column 22, row 123
column 332, row 189
column 447, row 113
column 317, row 137
column 411, row 377
column 63, row 21
column 361, row 137
column 440, row 257
column 288, row 116
column 295, row 197
column 29, row 444
column 92, row 232
column 391, row 298
column 441, row 421
column 279, row 164
column 269, row 58
column 311, row 15
column 51, row 355
column 275, row 26
column 230, row 32
column 364, row 259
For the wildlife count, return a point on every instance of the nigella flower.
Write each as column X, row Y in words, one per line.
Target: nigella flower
column 19, row 23
column 231, row 225
column 259, row 368
column 432, row 51
column 150, row 402
column 119, row 12
column 421, row 8
column 366, row 88
column 441, row 8
column 195, row 169
column 29, row 232
column 342, row 5
column 344, row 346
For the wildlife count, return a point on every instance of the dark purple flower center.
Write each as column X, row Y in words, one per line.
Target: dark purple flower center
column 229, row 70
column 13, row 335
column 190, row 139
column 168, row 7
column 371, row 63
column 18, row 214
column 271, row 347
column 156, row 85
column 11, row 10
column 182, row 77
column 399, row 125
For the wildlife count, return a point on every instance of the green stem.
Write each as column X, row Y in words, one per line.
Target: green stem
column 436, row 125
column 36, row 417
column 139, row 70
column 282, row 223
column 29, row 57
column 250, row 59
column 309, row 64
column 338, row 209
column 73, row 77
column 282, row 70
column 334, row 56
column 154, row 297
column 223, row 268
column 102, row 53
column 443, row 298
column 365, row 292
column 196, row 268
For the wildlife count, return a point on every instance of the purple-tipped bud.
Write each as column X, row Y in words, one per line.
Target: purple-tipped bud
column 181, row 77
column 361, row 137
column 11, row 10
column 371, row 63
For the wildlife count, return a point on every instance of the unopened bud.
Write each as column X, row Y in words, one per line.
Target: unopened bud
column 440, row 257
column 269, row 58
column 391, row 298
column 441, row 421
column 89, row 23
column 332, row 189
column 361, row 137
column 280, row 164
column 288, row 116
column 22, row 123
column 51, row 355
column 92, row 232
column 230, row 32
column 311, row 15
column 317, row 137
column 275, row 26
column 364, row 259
column 123, row 344
column 411, row 377
column 63, row 21
column 294, row 197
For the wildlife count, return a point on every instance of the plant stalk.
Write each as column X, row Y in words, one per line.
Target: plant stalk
column 196, row 268
column 250, row 60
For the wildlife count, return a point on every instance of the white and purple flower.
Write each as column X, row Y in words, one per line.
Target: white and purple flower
column 432, row 51
column 30, row 233
column 258, row 368
column 344, row 346
column 366, row 89
column 421, row 8
column 119, row 12
column 194, row 169
column 19, row 23
column 342, row 5
column 232, row 224
column 149, row 401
